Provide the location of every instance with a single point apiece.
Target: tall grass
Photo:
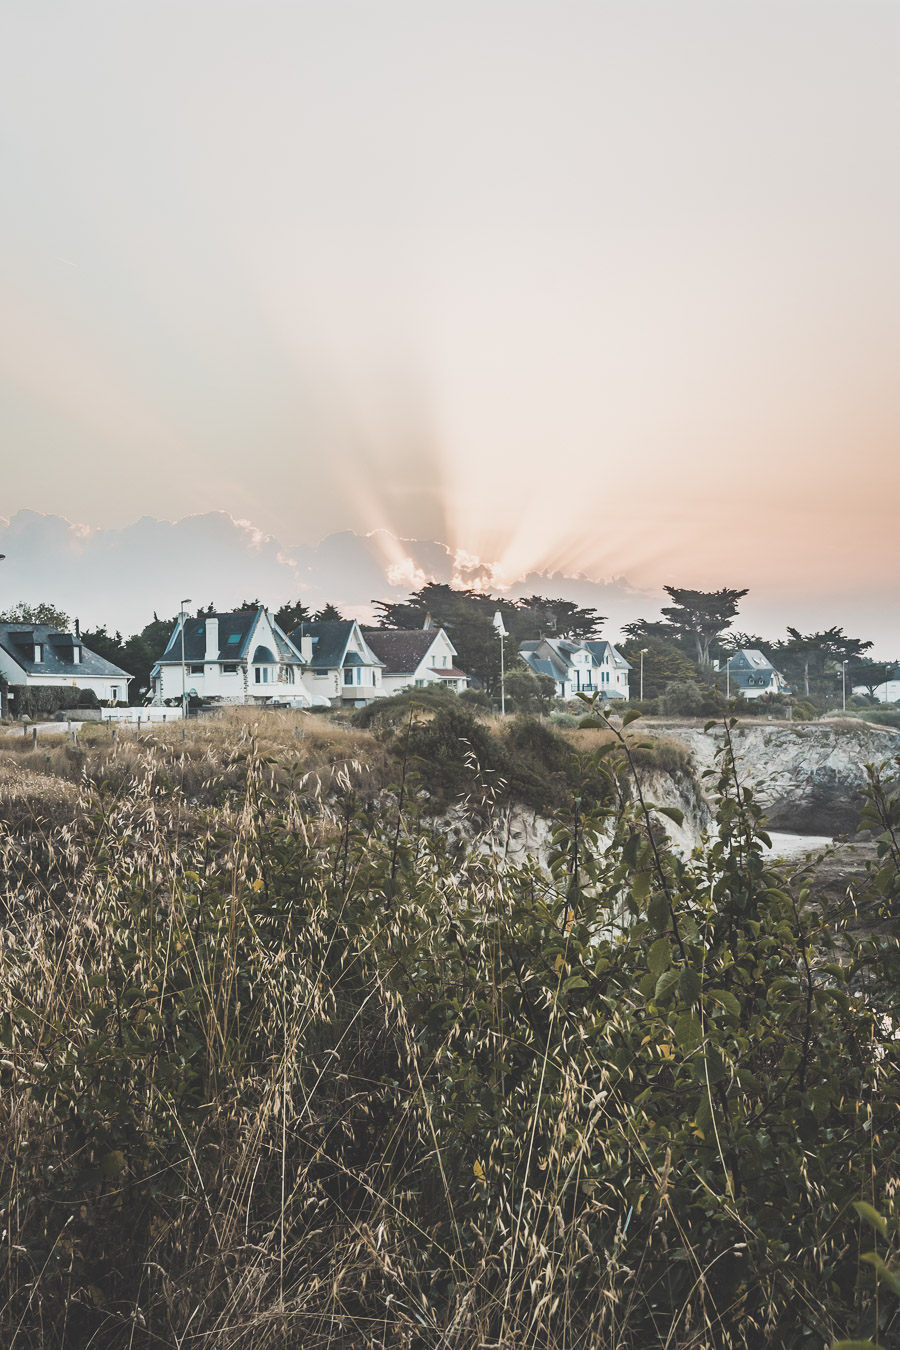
(281, 1068)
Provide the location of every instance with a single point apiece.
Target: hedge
(43, 700)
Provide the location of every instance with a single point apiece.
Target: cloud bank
(121, 577)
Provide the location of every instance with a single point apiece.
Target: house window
(230, 669)
(114, 694)
(233, 637)
(348, 675)
(261, 674)
(76, 656)
(38, 651)
(196, 670)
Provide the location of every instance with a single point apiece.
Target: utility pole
(644, 651)
(183, 673)
(501, 629)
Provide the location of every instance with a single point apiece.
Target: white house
(752, 675)
(589, 667)
(415, 658)
(243, 657)
(36, 654)
(341, 665)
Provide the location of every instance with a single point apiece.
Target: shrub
(683, 698)
(475, 698)
(395, 709)
(43, 700)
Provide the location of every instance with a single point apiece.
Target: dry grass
(278, 1070)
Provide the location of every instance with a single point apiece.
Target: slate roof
(555, 654)
(402, 650)
(545, 665)
(56, 648)
(750, 658)
(235, 633)
(330, 638)
(599, 648)
(237, 627)
(748, 668)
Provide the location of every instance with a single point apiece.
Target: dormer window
(38, 652)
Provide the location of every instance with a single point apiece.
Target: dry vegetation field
(281, 1067)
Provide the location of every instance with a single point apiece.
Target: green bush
(44, 700)
(395, 709)
(683, 698)
(475, 698)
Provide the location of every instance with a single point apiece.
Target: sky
(601, 292)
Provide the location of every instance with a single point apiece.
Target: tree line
(695, 632)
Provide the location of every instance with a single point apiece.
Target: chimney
(77, 629)
(306, 648)
(212, 640)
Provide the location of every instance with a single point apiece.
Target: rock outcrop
(808, 776)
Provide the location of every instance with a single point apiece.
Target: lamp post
(501, 630)
(844, 685)
(183, 679)
(644, 651)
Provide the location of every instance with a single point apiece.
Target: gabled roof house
(37, 654)
(752, 675)
(589, 667)
(341, 665)
(238, 657)
(415, 658)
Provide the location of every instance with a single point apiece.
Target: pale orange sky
(610, 288)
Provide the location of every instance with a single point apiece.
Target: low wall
(142, 715)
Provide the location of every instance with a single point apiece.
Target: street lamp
(644, 651)
(501, 630)
(183, 680)
(844, 685)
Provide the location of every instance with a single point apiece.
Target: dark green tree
(40, 613)
(870, 674)
(810, 657)
(327, 614)
(701, 616)
(108, 645)
(527, 692)
(665, 663)
(291, 615)
(561, 618)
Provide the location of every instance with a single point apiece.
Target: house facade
(415, 658)
(752, 675)
(240, 657)
(36, 654)
(341, 665)
(593, 667)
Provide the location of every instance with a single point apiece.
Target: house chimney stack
(306, 648)
(212, 640)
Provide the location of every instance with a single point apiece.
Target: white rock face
(807, 776)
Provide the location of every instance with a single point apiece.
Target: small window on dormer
(38, 651)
